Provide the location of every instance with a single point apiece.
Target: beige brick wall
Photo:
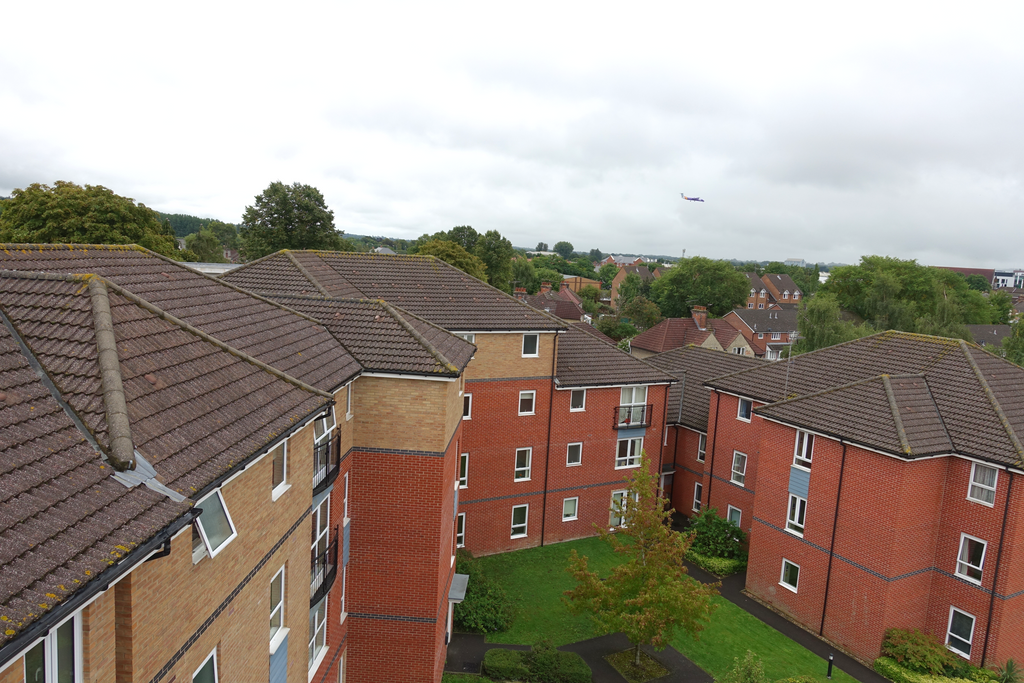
(14, 673)
(404, 414)
(98, 638)
(344, 428)
(501, 355)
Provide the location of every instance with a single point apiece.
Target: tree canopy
(563, 249)
(595, 255)
(642, 312)
(67, 213)
(454, 254)
(606, 273)
(496, 252)
(206, 246)
(630, 288)
(700, 281)
(820, 323)
(1013, 346)
(542, 246)
(289, 217)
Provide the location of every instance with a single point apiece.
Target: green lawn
(536, 578)
(464, 678)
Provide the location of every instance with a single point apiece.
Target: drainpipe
(832, 546)
(995, 577)
(547, 454)
(714, 435)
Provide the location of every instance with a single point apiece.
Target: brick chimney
(520, 293)
(545, 287)
(700, 316)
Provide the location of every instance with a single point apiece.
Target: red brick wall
(731, 435)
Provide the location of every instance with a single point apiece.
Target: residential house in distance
(782, 288)
(989, 335)
(768, 332)
(699, 330)
(621, 261)
(760, 297)
(562, 304)
(577, 283)
(642, 271)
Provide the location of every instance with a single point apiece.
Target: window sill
(787, 587)
(518, 479)
(467, 417)
(518, 536)
(792, 532)
(317, 662)
(627, 467)
(460, 545)
(526, 414)
(800, 466)
(278, 638)
(738, 483)
(569, 519)
(979, 502)
(463, 486)
(742, 419)
(968, 579)
(577, 410)
(279, 491)
(699, 459)
(531, 355)
(573, 464)
(453, 560)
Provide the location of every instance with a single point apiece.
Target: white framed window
(468, 336)
(213, 529)
(739, 351)
(276, 607)
(698, 495)
(632, 405)
(207, 671)
(574, 454)
(960, 632)
(983, 484)
(467, 406)
(785, 295)
(577, 400)
(527, 401)
(58, 656)
(531, 345)
(739, 468)
(803, 450)
(322, 427)
(760, 335)
(345, 499)
(460, 530)
(702, 447)
(317, 633)
(776, 336)
(790, 575)
(464, 471)
(763, 293)
(750, 305)
(743, 410)
(753, 291)
(620, 500)
(570, 508)
(520, 517)
(523, 458)
(971, 558)
(321, 519)
(760, 305)
(796, 295)
(797, 515)
(279, 467)
(735, 515)
(627, 453)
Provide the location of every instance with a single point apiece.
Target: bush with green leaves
(1009, 672)
(716, 536)
(918, 651)
(888, 667)
(506, 665)
(541, 664)
(487, 606)
(748, 670)
(719, 566)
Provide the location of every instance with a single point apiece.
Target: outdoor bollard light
(830, 656)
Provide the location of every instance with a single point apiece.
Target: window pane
(574, 453)
(279, 465)
(626, 396)
(529, 345)
(466, 403)
(569, 507)
(34, 658)
(576, 399)
(318, 429)
(519, 515)
(526, 403)
(206, 674)
(640, 395)
(214, 521)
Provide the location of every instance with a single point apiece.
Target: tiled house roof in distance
(979, 396)
(688, 401)
(767, 320)
(593, 332)
(423, 285)
(555, 304)
(386, 339)
(584, 360)
(293, 344)
(671, 333)
(781, 282)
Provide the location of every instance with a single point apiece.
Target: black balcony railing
(628, 417)
(325, 463)
(323, 569)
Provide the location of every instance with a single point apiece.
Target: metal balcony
(631, 417)
(326, 457)
(323, 569)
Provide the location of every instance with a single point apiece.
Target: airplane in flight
(691, 199)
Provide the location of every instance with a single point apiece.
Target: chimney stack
(520, 293)
(700, 316)
(545, 287)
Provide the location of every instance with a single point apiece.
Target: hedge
(506, 665)
(542, 664)
(720, 566)
(890, 668)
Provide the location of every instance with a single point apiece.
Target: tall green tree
(563, 249)
(978, 283)
(226, 233)
(66, 213)
(700, 281)
(1013, 346)
(205, 245)
(496, 252)
(642, 312)
(464, 236)
(820, 323)
(1001, 304)
(648, 597)
(524, 274)
(595, 255)
(542, 246)
(629, 289)
(454, 254)
(606, 273)
(289, 217)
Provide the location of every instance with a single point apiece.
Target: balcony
(633, 417)
(323, 569)
(326, 456)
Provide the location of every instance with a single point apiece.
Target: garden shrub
(716, 536)
(918, 651)
(487, 606)
(749, 670)
(507, 665)
(720, 566)
(541, 664)
(891, 669)
(798, 679)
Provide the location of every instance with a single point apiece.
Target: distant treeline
(184, 224)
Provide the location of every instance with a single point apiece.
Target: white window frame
(698, 496)
(460, 530)
(536, 353)
(632, 459)
(213, 552)
(345, 501)
(277, 637)
(796, 295)
(321, 513)
(583, 407)
(628, 408)
(739, 515)
(467, 406)
(212, 655)
(464, 470)
(963, 566)
(760, 335)
(277, 491)
(949, 627)
(796, 515)
(348, 402)
(623, 496)
(328, 424)
(533, 402)
(49, 643)
(785, 295)
(575, 509)
(739, 351)
(526, 523)
(702, 446)
(739, 410)
(738, 476)
(468, 336)
(568, 449)
(750, 304)
(782, 576)
(319, 655)
(803, 450)
(760, 306)
(983, 487)
(776, 336)
(522, 473)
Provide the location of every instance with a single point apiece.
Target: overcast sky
(810, 132)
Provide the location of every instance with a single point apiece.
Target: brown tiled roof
(584, 360)
(989, 334)
(645, 274)
(386, 339)
(979, 396)
(555, 304)
(594, 332)
(767, 320)
(756, 284)
(724, 332)
(783, 282)
(671, 333)
(293, 344)
(688, 400)
(423, 285)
